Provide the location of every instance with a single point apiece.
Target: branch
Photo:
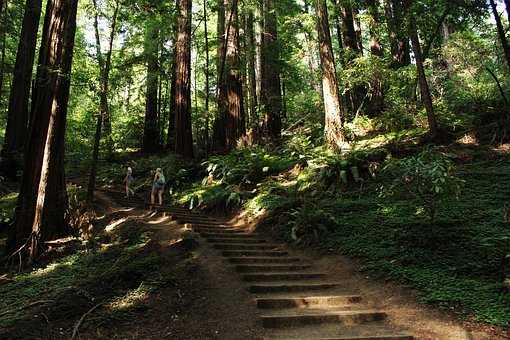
(78, 324)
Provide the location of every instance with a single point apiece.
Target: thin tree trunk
(18, 113)
(333, 128)
(271, 98)
(183, 131)
(507, 7)
(376, 105)
(422, 79)
(42, 203)
(501, 32)
(207, 89)
(104, 109)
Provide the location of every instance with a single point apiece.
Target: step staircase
(295, 301)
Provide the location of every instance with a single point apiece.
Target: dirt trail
(242, 286)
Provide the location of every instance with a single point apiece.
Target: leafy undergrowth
(307, 196)
(119, 272)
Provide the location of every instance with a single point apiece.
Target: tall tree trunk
(399, 41)
(3, 27)
(338, 26)
(258, 29)
(151, 143)
(170, 142)
(219, 137)
(333, 128)
(250, 61)
(234, 127)
(271, 98)
(422, 79)
(207, 87)
(357, 27)
(507, 7)
(17, 116)
(350, 40)
(183, 132)
(376, 87)
(104, 76)
(501, 32)
(42, 203)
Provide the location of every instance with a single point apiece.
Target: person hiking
(158, 186)
(128, 180)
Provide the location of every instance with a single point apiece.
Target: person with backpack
(158, 186)
(128, 180)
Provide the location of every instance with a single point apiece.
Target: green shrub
(427, 177)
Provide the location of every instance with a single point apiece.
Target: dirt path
(239, 285)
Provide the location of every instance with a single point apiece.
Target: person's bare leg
(127, 190)
(160, 193)
(153, 198)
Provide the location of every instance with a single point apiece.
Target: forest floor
(142, 281)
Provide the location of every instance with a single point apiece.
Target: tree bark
(501, 32)
(350, 40)
(376, 105)
(17, 116)
(207, 75)
(42, 203)
(170, 142)
(422, 79)
(3, 27)
(271, 98)
(334, 115)
(251, 62)
(399, 41)
(234, 127)
(151, 140)
(338, 26)
(182, 101)
(357, 27)
(219, 137)
(104, 109)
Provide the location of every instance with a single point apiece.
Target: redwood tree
(182, 100)
(334, 114)
(376, 105)
(42, 204)
(234, 106)
(17, 116)
(271, 98)
(151, 134)
(399, 40)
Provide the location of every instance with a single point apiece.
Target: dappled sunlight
(130, 300)
(112, 226)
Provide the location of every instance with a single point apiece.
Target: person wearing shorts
(158, 187)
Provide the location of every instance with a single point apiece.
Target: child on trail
(158, 186)
(128, 180)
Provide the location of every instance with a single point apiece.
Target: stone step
(258, 268)
(354, 337)
(238, 235)
(306, 302)
(219, 230)
(263, 260)
(269, 277)
(287, 287)
(265, 253)
(230, 239)
(242, 246)
(298, 319)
